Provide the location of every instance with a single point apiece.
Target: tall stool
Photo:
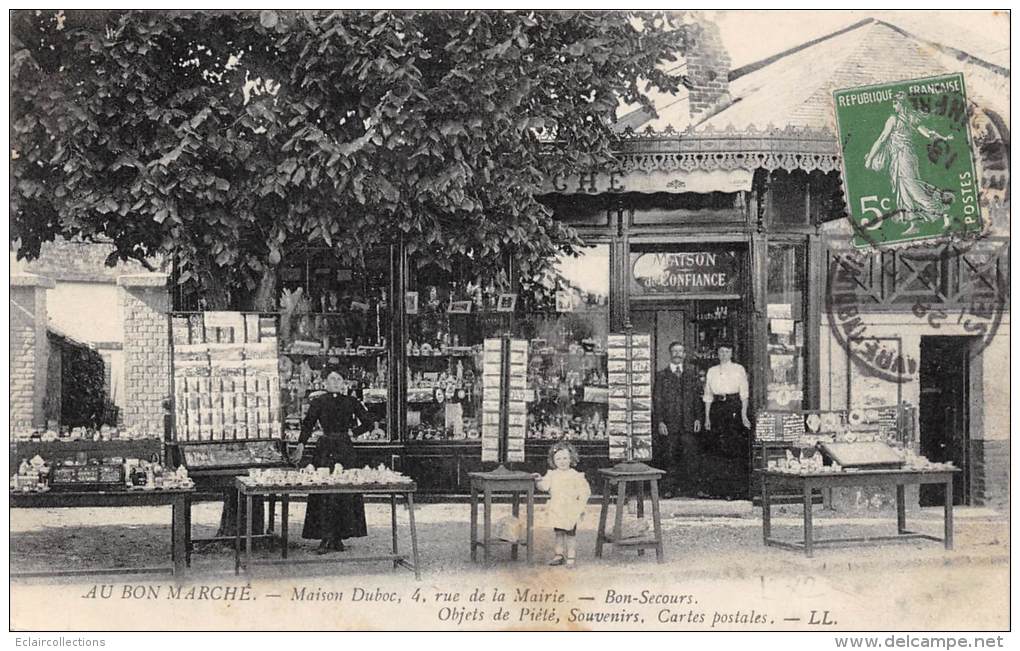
(485, 485)
(621, 476)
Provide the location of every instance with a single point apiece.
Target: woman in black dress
(331, 518)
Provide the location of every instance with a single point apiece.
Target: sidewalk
(702, 539)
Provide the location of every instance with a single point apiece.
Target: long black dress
(335, 517)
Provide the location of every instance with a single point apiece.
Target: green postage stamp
(908, 166)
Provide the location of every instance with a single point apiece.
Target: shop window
(789, 191)
(566, 322)
(449, 315)
(334, 316)
(785, 315)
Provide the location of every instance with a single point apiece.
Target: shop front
(700, 257)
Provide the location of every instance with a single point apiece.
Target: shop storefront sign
(679, 180)
(687, 272)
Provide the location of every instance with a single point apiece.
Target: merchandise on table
(32, 476)
(312, 476)
(97, 474)
(815, 463)
(68, 434)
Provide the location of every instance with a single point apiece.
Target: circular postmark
(854, 285)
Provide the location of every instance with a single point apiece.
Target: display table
(807, 483)
(248, 491)
(621, 476)
(485, 485)
(178, 499)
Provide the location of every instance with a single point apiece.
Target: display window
(567, 323)
(785, 316)
(448, 315)
(334, 316)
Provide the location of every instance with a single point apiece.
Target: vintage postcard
(688, 321)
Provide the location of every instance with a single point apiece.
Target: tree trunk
(265, 295)
(234, 509)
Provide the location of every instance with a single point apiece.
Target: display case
(448, 316)
(334, 317)
(226, 393)
(566, 321)
(785, 316)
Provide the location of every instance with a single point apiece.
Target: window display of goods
(312, 476)
(377, 433)
(237, 453)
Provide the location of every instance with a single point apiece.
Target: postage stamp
(908, 163)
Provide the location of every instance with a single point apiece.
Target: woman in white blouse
(726, 393)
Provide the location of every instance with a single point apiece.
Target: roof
(794, 88)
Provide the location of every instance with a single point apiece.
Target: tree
(228, 139)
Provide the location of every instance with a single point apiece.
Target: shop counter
(246, 490)
(178, 499)
(806, 483)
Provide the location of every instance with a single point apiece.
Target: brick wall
(29, 351)
(144, 302)
(708, 69)
(990, 473)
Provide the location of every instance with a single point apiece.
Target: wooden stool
(622, 475)
(500, 481)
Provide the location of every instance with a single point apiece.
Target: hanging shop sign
(686, 272)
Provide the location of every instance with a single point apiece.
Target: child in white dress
(568, 496)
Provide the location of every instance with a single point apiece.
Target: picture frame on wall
(459, 307)
(506, 303)
(411, 302)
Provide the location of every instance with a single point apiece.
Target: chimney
(708, 69)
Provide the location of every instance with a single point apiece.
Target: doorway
(944, 411)
(697, 469)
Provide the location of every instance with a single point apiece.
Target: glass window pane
(449, 316)
(786, 326)
(334, 316)
(567, 327)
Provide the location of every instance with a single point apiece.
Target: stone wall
(29, 351)
(144, 304)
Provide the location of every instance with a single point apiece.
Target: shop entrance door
(699, 469)
(667, 324)
(944, 415)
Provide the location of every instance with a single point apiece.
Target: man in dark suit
(673, 420)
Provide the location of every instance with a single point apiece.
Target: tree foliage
(231, 139)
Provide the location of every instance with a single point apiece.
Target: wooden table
(806, 484)
(247, 491)
(620, 476)
(486, 484)
(178, 499)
